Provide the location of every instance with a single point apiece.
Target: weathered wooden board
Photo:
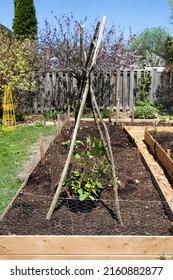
(92, 247)
(149, 140)
(165, 160)
(160, 154)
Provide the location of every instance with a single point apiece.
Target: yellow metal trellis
(8, 119)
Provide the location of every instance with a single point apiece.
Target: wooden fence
(57, 89)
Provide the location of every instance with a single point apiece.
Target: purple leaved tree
(69, 46)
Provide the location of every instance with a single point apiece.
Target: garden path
(34, 157)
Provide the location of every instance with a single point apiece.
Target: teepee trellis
(103, 136)
(8, 119)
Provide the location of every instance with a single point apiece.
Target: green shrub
(51, 115)
(145, 112)
(20, 117)
(106, 113)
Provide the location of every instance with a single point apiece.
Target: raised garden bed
(160, 144)
(147, 229)
(142, 210)
(165, 140)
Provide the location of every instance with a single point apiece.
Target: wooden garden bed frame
(85, 247)
(158, 151)
(14, 247)
(160, 181)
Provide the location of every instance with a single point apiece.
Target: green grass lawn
(14, 151)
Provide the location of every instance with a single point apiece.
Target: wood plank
(164, 159)
(149, 140)
(158, 151)
(85, 257)
(83, 245)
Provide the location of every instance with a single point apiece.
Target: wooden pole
(98, 43)
(133, 113)
(59, 125)
(117, 111)
(69, 114)
(41, 146)
(73, 139)
(117, 97)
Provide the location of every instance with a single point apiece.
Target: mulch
(143, 212)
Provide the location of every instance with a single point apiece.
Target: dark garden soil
(165, 139)
(141, 208)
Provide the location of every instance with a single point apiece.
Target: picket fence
(57, 89)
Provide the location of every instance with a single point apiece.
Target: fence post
(131, 97)
(117, 97)
(125, 93)
(153, 74)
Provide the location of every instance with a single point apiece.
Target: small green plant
(145, 112)
(163, 120)
(162, 257)
(40, 123)
(51, 115)
(106, 113)
(20, 117)
(155, 130)
(91, 165)
(143, 88)
(144, 108)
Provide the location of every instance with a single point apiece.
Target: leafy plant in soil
(144, 108)
(90, 166)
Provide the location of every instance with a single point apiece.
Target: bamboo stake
(73, 139)
(41, 146)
